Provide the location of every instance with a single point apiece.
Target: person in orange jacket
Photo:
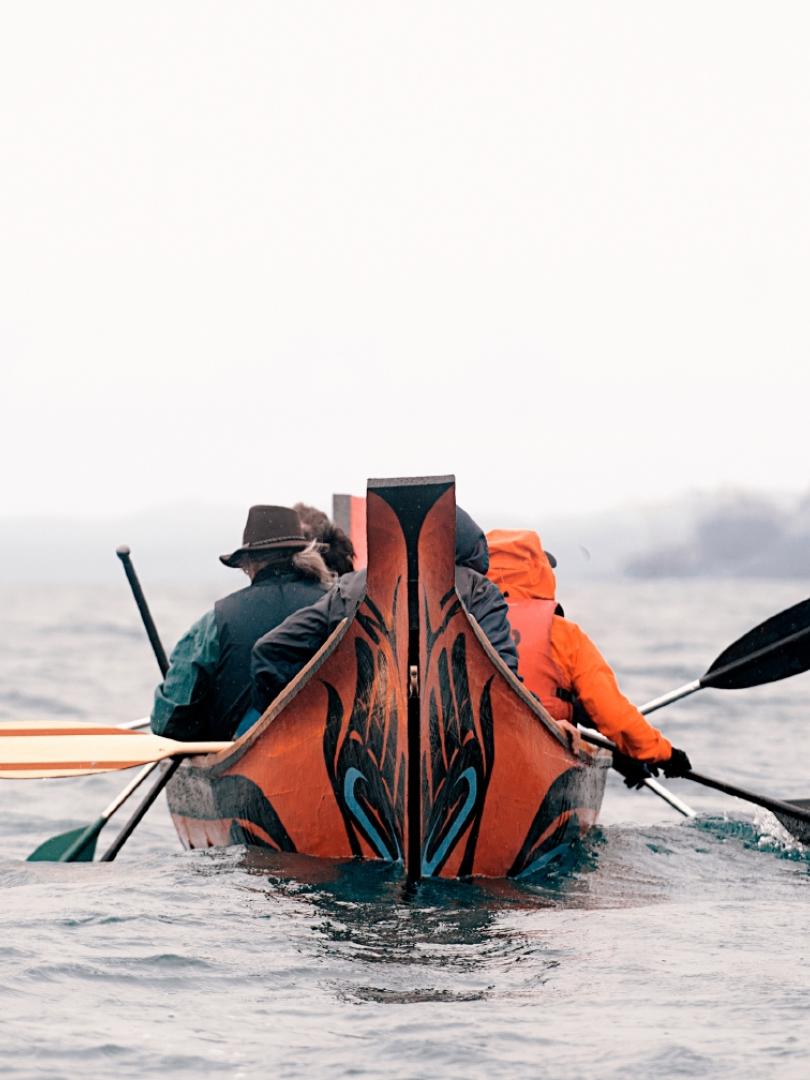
(560, 664)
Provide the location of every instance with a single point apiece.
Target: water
(663, 948)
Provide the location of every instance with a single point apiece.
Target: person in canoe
(335, 546)
(280, 654)
(206, 691)
(561, 665)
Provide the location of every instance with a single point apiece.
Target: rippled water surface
(662, 948)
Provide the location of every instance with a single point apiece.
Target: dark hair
(336, 547)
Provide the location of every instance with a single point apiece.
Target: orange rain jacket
(556, 654)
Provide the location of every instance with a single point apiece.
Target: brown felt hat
(266, 529)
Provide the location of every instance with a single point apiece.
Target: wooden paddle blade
(38, 749)
(776, 649)
(78, 845)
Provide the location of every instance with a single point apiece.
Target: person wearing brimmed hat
(206, 691)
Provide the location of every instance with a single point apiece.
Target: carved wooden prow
(403, 507)
(405, 738)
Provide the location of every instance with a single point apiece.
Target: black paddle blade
(776, 649)
(797, 826)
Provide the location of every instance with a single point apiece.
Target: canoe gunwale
(222, 760)
(584, 753)
(219, 762)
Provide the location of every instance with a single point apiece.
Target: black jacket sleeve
(485, 602)
(280, 654)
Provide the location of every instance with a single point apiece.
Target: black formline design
(364, 763)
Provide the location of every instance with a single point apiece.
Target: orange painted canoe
(405, 738)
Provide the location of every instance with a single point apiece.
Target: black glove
(678, 765)
(635, 772)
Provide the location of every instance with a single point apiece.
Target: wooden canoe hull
(406, 738)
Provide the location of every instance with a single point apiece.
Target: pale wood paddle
(43, 748)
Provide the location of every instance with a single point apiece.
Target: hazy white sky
(262, 251)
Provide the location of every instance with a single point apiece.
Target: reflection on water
(438, 941)
(379, 940)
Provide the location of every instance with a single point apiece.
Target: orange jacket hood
(518, 565)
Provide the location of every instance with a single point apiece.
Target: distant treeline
(743, 536)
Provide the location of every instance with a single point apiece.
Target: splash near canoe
(405, 738)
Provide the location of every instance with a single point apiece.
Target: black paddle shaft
(123, 554)
(776, 806)
(795, 817)
(140, 810)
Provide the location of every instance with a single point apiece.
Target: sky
(260, 252)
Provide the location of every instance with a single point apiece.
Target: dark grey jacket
(207, 690)
(279, 655)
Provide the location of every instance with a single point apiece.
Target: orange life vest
(555, 655)
(519, 567)
(531, 622)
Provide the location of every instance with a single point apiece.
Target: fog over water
(725, 533)
(264, 254)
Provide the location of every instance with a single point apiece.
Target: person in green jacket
(206, 691)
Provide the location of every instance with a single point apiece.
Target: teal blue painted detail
(545, 858)
(349, 781)
(429, 865)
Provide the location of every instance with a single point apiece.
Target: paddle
(663, 793)
(161, 782)
(79, 845)
(36, 749)
(773, 650)
(141, 809)
(61, 847)
(135, 725)
(582, 721)
(123, 553)
(795, 816)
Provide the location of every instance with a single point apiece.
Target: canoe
(406, 738)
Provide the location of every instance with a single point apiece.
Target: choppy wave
(658, 947)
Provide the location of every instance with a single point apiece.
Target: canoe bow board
(406, 738)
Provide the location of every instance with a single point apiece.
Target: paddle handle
(71, 853)
(718, 674)
(667, 796)
(123, 553)
(673, 695)
(141, 809)
(133, 785)
(591, 736)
